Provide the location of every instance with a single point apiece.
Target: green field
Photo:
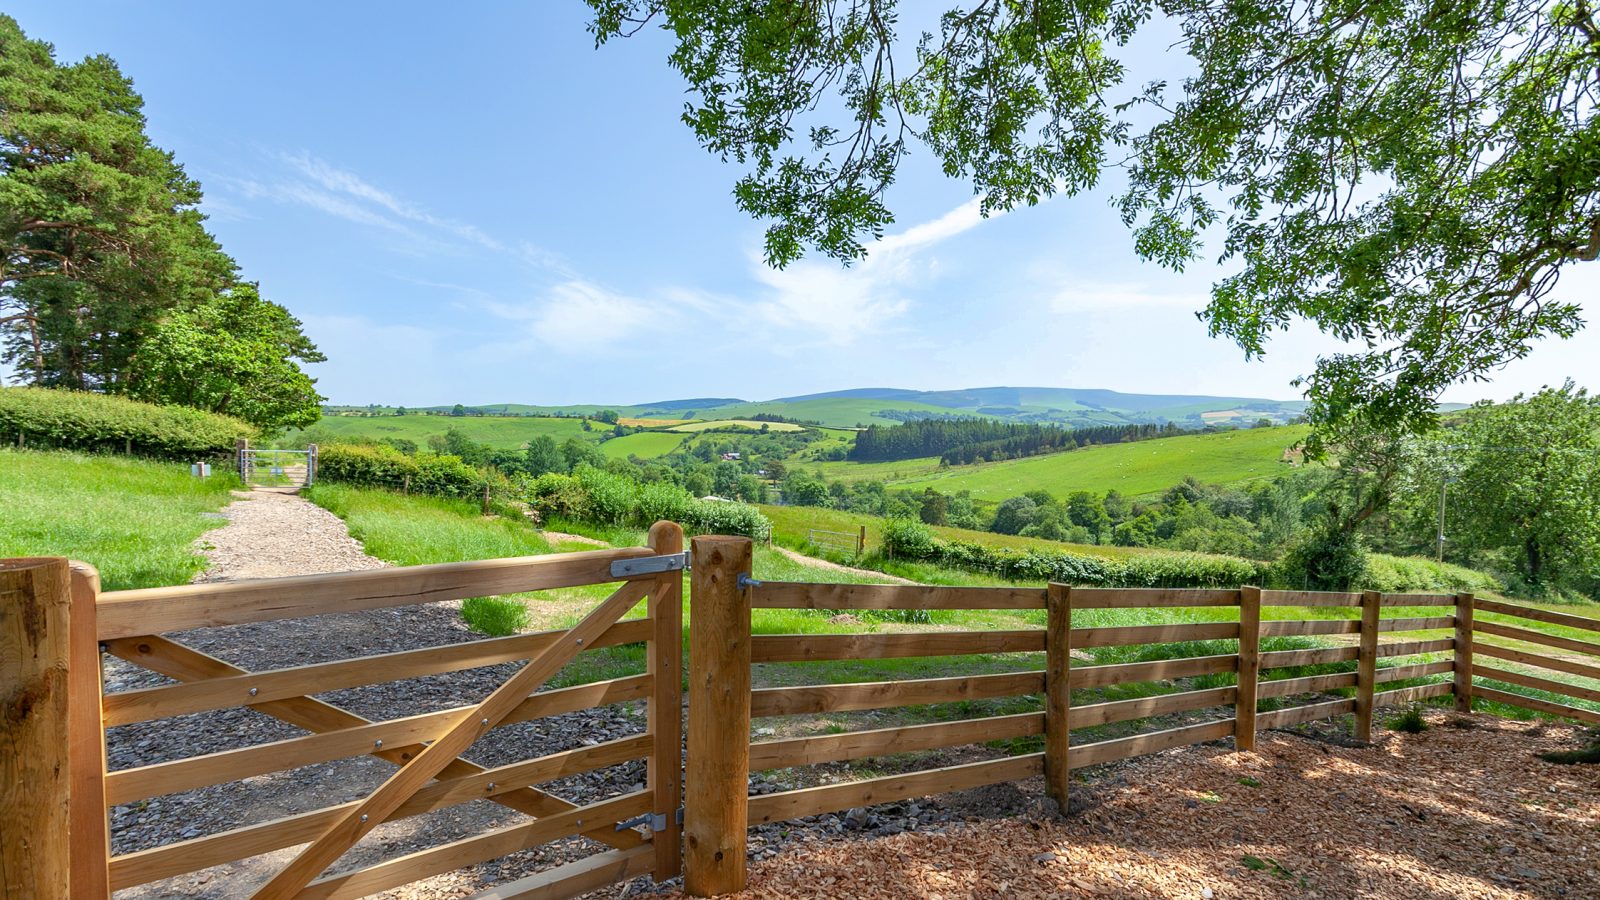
(134, 520)
(499, 432)
(839, 412)
(737, 423)
(1141, 467)
(644, 444)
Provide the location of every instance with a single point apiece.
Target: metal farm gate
(272, 467)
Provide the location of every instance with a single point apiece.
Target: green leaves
(1411, 177)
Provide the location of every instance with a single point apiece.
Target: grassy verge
(134, 520)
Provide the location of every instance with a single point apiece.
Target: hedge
(907, 539)
(379, 465)
(78, 420)
(593, 495)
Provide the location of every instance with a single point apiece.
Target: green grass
(1138, 468)
(644, 444)
(839, 412)
(134, 520)
(500, 432)
(747, 424)
(417, 530)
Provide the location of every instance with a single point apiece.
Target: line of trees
(109, 280)
(959, 441)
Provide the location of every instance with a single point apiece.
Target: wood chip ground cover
(1451, 812)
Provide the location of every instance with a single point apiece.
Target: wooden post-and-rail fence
(54, 622)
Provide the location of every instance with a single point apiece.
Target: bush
(494, 616)
(75, 420)
(606, 498)
(1398, 574)
(908, 539)
(380, 465)
(1324, 560)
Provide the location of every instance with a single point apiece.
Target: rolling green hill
(1141, 467)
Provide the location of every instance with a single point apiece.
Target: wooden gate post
(90, 840)
(1244, 702)
(1463, 652)
(1367, 663)
(1058, 693)
(861, 541)
(311, 464)
(665, 709)
(717, 774)
(35, 793)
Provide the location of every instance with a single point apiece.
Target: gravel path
(277, 534)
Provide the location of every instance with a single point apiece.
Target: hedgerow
(378, 465)
(907, 539)
(592, 495)
(77, 420)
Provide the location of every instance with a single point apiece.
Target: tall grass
(416, 530)
(134, 520)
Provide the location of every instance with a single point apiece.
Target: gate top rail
(121, 614)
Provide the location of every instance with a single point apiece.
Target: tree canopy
(103, 247)
(1413, 177)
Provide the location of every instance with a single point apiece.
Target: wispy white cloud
(576, 317)
(1093, 297)
(842, 306)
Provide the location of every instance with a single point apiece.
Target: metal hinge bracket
(650, 565)
(653, 821)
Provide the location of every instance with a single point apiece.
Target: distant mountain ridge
(859, 407)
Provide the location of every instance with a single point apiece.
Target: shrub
(908, 539)
(380, 465)
(606, 498)
(494, 616)
(1324, 560)
(76, 420)
(1398, 574)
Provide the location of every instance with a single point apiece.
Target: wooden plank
(1093, 714)
(1153, 634)
(1154, 742)
(1058, 693)
(1425, 623)
(402, 870)
(357, 823)
(717, 768)
(810, 801)
(1412, 648)
(574, 878)
(1306, 628)
(1299, 715)
(1535, 704)
(807, 751)
(1244, 714)
(1415, 670)
(156, 610)
(127, 785)
(1393, 600)
(1310, 598)
(1367, 663)
(1542, 684)
(816, 698)
(177, 661)
(1309, 684)
(35, 766)
(492, 784)
(1535, 659)
(1283, 659)
(664, 666)
(1537, 615)
(1537, 637)
(144, 704)
(1151, 598)
(770, 648)
(1156, 670)
(1412, 694)
(802, 595)
(88, 837)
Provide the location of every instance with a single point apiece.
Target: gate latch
(652, 821)
(650, 565)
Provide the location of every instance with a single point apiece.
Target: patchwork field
(737, 423)
(500, 432)
(645, 445)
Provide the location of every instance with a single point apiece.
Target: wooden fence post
(1244, 703)
(241, 449)
(1463, 652)
(717, 775)
(861, 541)
(1058, 693)
(665, 709)
(1367, 663)
(90, 840)
(311, 464)
(35, 770)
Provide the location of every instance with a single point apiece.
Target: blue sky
(472, 204)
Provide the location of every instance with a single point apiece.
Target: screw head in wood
(489, 786)
(363, 817)
(483, 721)
(254, 691)
(377, 744)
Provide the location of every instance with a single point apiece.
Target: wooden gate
(639, 828)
